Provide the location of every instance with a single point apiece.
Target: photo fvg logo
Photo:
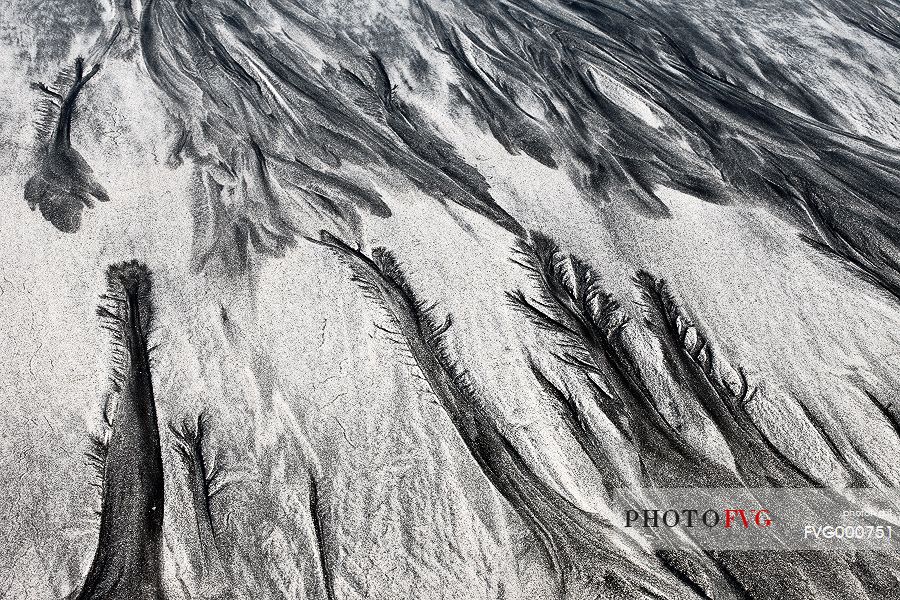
(725, 518)
(759, 518)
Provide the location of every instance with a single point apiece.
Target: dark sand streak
(128, 561)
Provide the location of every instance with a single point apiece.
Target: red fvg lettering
(760, 517)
